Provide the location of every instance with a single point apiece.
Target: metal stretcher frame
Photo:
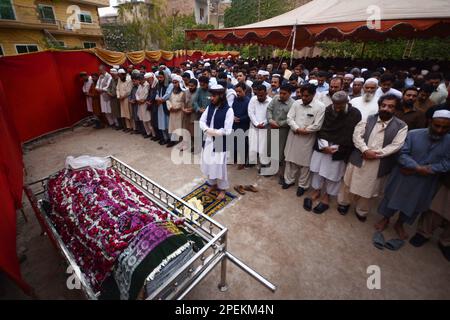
(186, 278)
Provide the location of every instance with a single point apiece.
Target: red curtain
(11, 177)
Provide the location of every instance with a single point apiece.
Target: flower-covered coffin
(98, 215)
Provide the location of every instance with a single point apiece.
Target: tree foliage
(243, 12)
(422, 49)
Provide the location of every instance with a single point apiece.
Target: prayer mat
(210, 204)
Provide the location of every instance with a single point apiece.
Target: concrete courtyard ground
(305, 255)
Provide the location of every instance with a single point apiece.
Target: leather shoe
(342, 209)
(300, 191)
(321, 208)
(286, 186)
(307, 204)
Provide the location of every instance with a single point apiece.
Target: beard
(384, 115)
(433, 135)
(408, 104)
(368, 97)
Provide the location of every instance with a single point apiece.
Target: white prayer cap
(207, 64)
(260, 72)
(188, 65)
(314, 82)
(217, 88)
(442, 114)
(246, 62)
(121, 71)
(372, 80)
(113, 71)
(149, 75)
(359, 80)
(349, 75)
(177, 78)
(116, 67)
(363, 70)
(276, 75)
(424, 72)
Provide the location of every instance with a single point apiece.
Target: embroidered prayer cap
(359, 80)
(441, 114)
(135, 72)
(113, 71)
(372, 80)
(276, 75)
(121, 71)
(340, 96)
(349, 75)
(217, 88)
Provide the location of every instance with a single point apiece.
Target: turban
(372, 80)
(442, 114)
(340, 96)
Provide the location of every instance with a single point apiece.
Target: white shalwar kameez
(327, 173)
(86, 87)
(214, 164)
(257, 138)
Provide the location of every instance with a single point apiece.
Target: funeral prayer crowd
(370, 136)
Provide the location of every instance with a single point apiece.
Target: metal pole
(293, 43)
(223, 268)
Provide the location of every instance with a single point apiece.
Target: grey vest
(387, 163)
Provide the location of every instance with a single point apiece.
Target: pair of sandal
(241, 189)
(380, 243)
(221, 193)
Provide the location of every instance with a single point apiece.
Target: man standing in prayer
(367, 104)
(440, 93)
(102, 87)
(305, 118)
(414, 181)
(423, 102)
(357, 86)
(415, 119)
(112, 92)
(277, 112)
(325, 97)
(331, 151)
(143, 111)
(386, 83)
(242, 122)
(437, 216)
(377, 142)
(133, 104)
(216, 123)
(163, 94)
(189, 116)
(347, 82)
(175, 105)
(123, 90)
(322, 82)
(275, 85)
(257, 137)
(87, 83)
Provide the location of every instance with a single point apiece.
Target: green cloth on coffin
(156, 244)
